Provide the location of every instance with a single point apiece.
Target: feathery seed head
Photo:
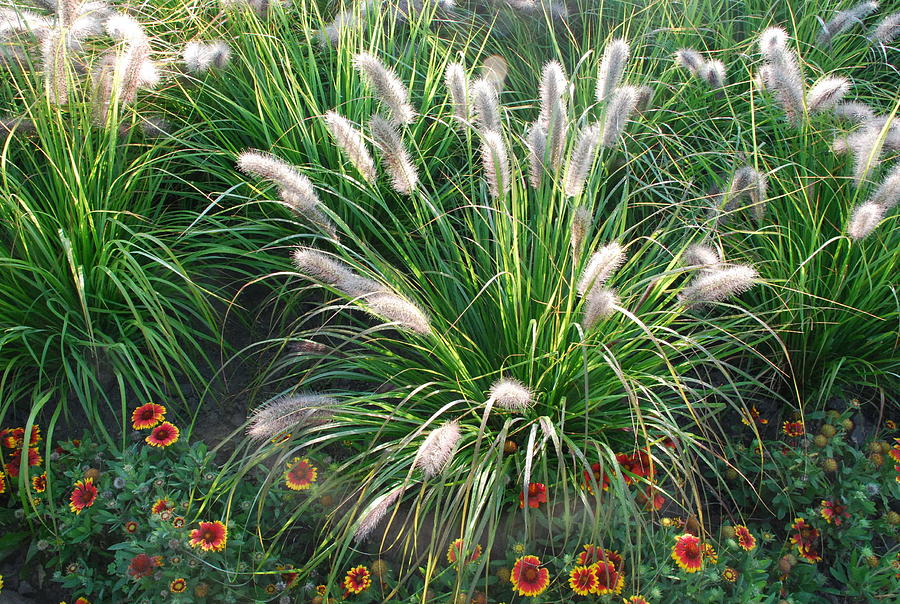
(350, 141)
(853, 112)
(718, 285)
(773, 41)
(394, 156)
(888, 29)
(126, 28)
(457, 84)
(387, 86)
(582, 158)
(376, 513)
(714, 73)
(700, 256)
(865, 220)
(288, 413)
(612, 68)
(288, 179)
(620, 108)
(581, 224)
(600, 304)
(436, 452)
(321, 267)
(537, 148)
(553, 87)
(496, 163)
(691, 60)
(827, 93)
(601, 266)
(486, 104)
(511, 394)
(199, 57)
(887, 195)
(844, 20)
(397, 309)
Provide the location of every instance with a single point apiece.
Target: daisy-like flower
(178, 522)
(583, 580)
(651, 498)
(147, 416)
(687, 553)
(805, 538)
(34, 459)
(131, 526)
(300, 474)
(709, 553)
(143, 565)
(178, 586)
(592, 555)
(599, 477)
(357, 580)
(890, 425)
(729, 574)
(895, 451)
(834, 513)
(636, 599)
(2, 482)
(163, 435)
(528, 578)
(537, 494)
(210, 537)
(82, 600)
(753, 417)
(159, 505)
(39, 483)
(637, 464)
(793, 429)
(609, 580)
(83, 496)
(270, 588)
(745, 539)
(455, 551)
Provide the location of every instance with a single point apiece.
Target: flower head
(143, 565)
(753, 416)
(709, 553)
(300, 474)
(39, 482)
(83, 496)
(437, 450)
(147, 416)
(537, 494)
(160, 505)
(456, 550)
(834, 513)
(357, 580)
(745, 539)
(511, 394)
(636, 599)
(794, 429)
(583, 580)
(387, 87)
(163, 435)
(528, 578)
(729, 574)
(596, 476)
(635, 465)
(130, 527)
(805, 538)
(210, 536)
(178, 586)
(687, 553)
(609, 579)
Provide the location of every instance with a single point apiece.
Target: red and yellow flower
(163, 435)
(805, 538)
(793, 429)
(583, 580)
(528, 578)
(651, 498)
(537, 494)
(455, 551)
(178, 586)
(143, 565)
(357, 580)
(688, 553)
(636, 599)
(300, 474)
(2, 482)
(39, 482)
(147, 416)
(160, 505)
(635, 465)
(131, 526)
(834, 513)
(746, 540)
(592, 555)
(83, 496)
(596, 475)
(178, 522)
(753, 417)
(729, 574)
(895, 451)
(15, 460)
(710, 555)
(210, 536)
(609, 580)
(82, 600)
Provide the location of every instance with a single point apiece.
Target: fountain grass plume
(436, 452)
(783, 76)
(827, 93)
(536, 140)
(318, 266)
(399, 310)
(714, 73)
(718, 285)
(387, 86)
(582, 159)
(486, 104)
(375, 514)
(581, 225)
(691, 60)
(887, 195)
(618, 111)
(887, 30)
(750, 184)
(865, 219)
(351, 142)
(612, 68)
(600, 304)
(866, 144)
(700, 256)
(289, 413)
(553, 110)
(458, 86)
(56, 71)
(844, 20)
(601, 266)
(495, 160)
(394, 156)
(853, 112)
(511, 394)
(200, 57)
